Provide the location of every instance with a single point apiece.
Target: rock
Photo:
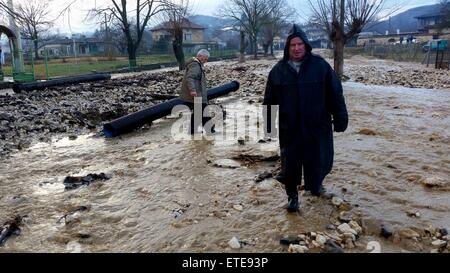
(289, 241)
(345, 217)
(314, 244)
(332, 247)
(386, 231)
(433, 182)
(408, 233)
(238, 207)
(337, 201)
(345, 207)
(234, 243)
(345, 228)
(349, 243)
(321, 240)
(7, 117)
(73, 247)
(331, 227)
(439, 243)
(350, 236)
(413, 213)
(297, 249)
(443, 232)
(354, 225)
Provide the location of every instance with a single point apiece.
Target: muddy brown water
(166, 195)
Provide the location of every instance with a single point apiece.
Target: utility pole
(17, 44)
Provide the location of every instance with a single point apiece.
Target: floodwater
(169, 195)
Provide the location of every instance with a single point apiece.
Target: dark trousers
(294, 166)
(205, 120)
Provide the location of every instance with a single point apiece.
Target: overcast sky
(75, 20)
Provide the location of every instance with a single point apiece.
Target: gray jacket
(194, 79)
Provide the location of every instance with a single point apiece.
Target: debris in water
(238, 207)
(226, 163)
(73, 183)
(413, 213)
(10, 228)
(263, 176)
(234, 243)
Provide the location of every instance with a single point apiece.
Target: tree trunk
(266, 49)
(132, 50)
(339, 56)
(179, 54)
(271, 48)
(255, 47)
(177, 45)
(242, 48)
(36, 48)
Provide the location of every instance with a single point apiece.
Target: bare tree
(113, 38)
(5, 8)
(276, 21)
(342, 20)
(175, 17)
(33, 19)
(251, 15)
(133, 17)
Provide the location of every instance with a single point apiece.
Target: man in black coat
(311, 102)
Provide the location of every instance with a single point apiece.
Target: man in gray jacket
(193, 88)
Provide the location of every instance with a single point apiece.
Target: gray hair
(203, 52)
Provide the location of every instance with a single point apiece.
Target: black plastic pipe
(129, 123)
(18, 87)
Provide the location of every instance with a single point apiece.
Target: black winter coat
(310, 103)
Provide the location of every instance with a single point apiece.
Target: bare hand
(193, 93)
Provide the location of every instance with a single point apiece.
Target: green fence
(23, 66)
(49, 67)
